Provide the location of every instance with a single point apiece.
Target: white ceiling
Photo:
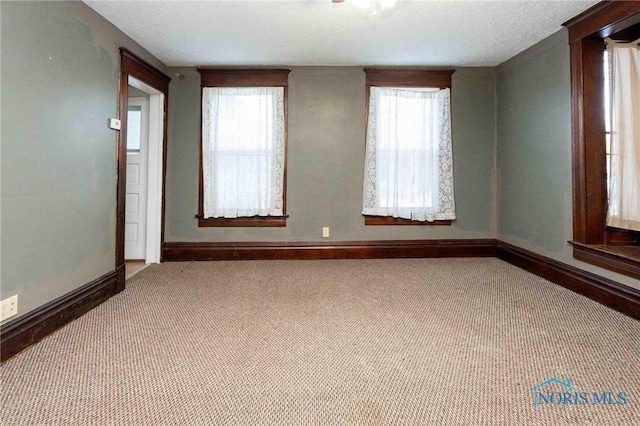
(319, 32)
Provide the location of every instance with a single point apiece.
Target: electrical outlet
(325, 232)
(8, 307)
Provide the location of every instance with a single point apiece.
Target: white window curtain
(242, 151)
(624, 178)
(408, 160)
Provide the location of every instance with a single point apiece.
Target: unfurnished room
(320, 212)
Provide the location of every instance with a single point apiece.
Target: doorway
(141, 165)
(143, 178)
(135, 231)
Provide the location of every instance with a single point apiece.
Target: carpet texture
(336, 342)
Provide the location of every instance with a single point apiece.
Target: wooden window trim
(593, 241)
(393, 77)
(389, 220)
(241, 222)
(244, 77)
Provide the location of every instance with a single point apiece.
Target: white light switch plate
(115, 124)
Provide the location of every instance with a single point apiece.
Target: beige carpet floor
(340, 342)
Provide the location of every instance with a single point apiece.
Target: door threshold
(132, 267)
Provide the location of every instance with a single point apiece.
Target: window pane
(607, 113)
(134, 128)
(607, 93)
(608, 146)
(408, 161)
(404, 141)
(243, 120)
(243, 151)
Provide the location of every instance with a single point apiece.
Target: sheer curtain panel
(624, 179)
(408, 160)
(243, 143)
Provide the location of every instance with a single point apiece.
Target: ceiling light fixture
(373, 5)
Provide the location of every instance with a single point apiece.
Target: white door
(137, 163)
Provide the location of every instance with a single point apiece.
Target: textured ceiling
(319, 32)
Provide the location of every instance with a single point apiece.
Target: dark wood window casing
(390, 77)
(593, 242)
(245, 77)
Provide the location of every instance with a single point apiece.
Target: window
(622, 98)
(134, 128)
(408, 161)
(593, 241)
(243, 149)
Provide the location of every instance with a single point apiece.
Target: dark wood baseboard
(26, 330)
(177, 251)
(605, 291)
(121, 277)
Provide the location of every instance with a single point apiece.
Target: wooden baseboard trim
(177, 251)
(24, 331)
(121, 278)
(605, 291)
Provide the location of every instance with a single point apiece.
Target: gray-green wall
(534, 153)
(326, 160)
(60, 72)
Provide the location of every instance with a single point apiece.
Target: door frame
(155, 177)
(132, 65)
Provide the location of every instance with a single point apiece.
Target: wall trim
(26, 330)
(189, 251)
(607, 292)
